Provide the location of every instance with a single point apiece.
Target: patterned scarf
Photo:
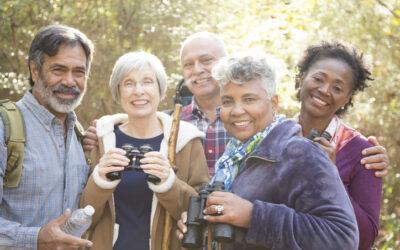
(228, 165)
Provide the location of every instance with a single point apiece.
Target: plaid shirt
(216, 135)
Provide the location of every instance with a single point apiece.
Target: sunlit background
(282, 29)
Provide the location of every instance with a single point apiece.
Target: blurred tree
(282, 29)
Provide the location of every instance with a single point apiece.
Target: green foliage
(282, 29)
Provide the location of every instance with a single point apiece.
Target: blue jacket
(299, 199)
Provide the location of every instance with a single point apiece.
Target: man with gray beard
(54, 168)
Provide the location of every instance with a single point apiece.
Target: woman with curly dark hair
(330, 74)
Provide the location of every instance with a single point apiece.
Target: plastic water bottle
(79, 222)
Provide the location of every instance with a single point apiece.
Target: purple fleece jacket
(299, 199)
(363, 187)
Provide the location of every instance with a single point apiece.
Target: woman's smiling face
(326, 87)
(246, 109)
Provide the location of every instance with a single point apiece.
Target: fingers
(184, 217)
(154, 159)
(51, 235)
(155, 154)
(374, 150)
(214, 210)
(377, 158)
(373, 140)
(217, 198)
(90, 140)
(75, 241)
(182, 226)
(155, 163)
(113, 161)
(381, 174)
(92, 130)
(380, 165)
(160, 173)
(94, 123)
(63, 218)
(87, 147)
(115, 154)
(230, 208)
(323, 141)
(91, 134)
(104, 171)
(224, 218)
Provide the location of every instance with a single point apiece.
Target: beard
(48, 95)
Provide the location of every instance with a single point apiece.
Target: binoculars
(197, 225)
(134, 155)
(314, 133)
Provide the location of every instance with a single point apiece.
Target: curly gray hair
(241, 68)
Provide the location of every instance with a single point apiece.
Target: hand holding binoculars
(314, 134)
(134, 155)
(197, 225)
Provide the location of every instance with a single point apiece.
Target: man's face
(61, 83)
(198, 58)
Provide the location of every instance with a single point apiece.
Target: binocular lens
(192, 238)
(223, 232)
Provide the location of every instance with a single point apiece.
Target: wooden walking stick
(173, 137)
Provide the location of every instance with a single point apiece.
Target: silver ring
(219, 209)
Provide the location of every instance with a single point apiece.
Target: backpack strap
(80, 134)
(79, 130)
(15, 138)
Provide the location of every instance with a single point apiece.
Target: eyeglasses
(129, 85)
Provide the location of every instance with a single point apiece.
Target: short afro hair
(339, 51)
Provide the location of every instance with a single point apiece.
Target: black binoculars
(197, 225)
(134, 155)
(314, 133)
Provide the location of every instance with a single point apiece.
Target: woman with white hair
(138, 82)
(285, 193)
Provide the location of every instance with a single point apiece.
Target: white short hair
(137, 60)
(207, 35)
(244, 67)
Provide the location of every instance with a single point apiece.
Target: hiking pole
(173, 137)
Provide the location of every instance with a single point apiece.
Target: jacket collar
(272, 146)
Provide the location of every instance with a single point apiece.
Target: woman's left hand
(328, 147)
(156, 164)
(236, 211)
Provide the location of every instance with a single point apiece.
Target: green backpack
(15, 138)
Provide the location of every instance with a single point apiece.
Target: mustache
(61, 88)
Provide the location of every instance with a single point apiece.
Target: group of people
(285, 191)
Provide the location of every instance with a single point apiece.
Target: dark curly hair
(335, 50)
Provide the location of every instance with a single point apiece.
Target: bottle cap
(88, 210)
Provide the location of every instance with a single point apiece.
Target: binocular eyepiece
(134, 155)
(314, 134)
(196, 224)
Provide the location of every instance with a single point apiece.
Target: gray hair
(241, 68)
(50, 38)
(137, 60)
(207, 35)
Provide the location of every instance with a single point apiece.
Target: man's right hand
(90, 139)
(52, 237)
